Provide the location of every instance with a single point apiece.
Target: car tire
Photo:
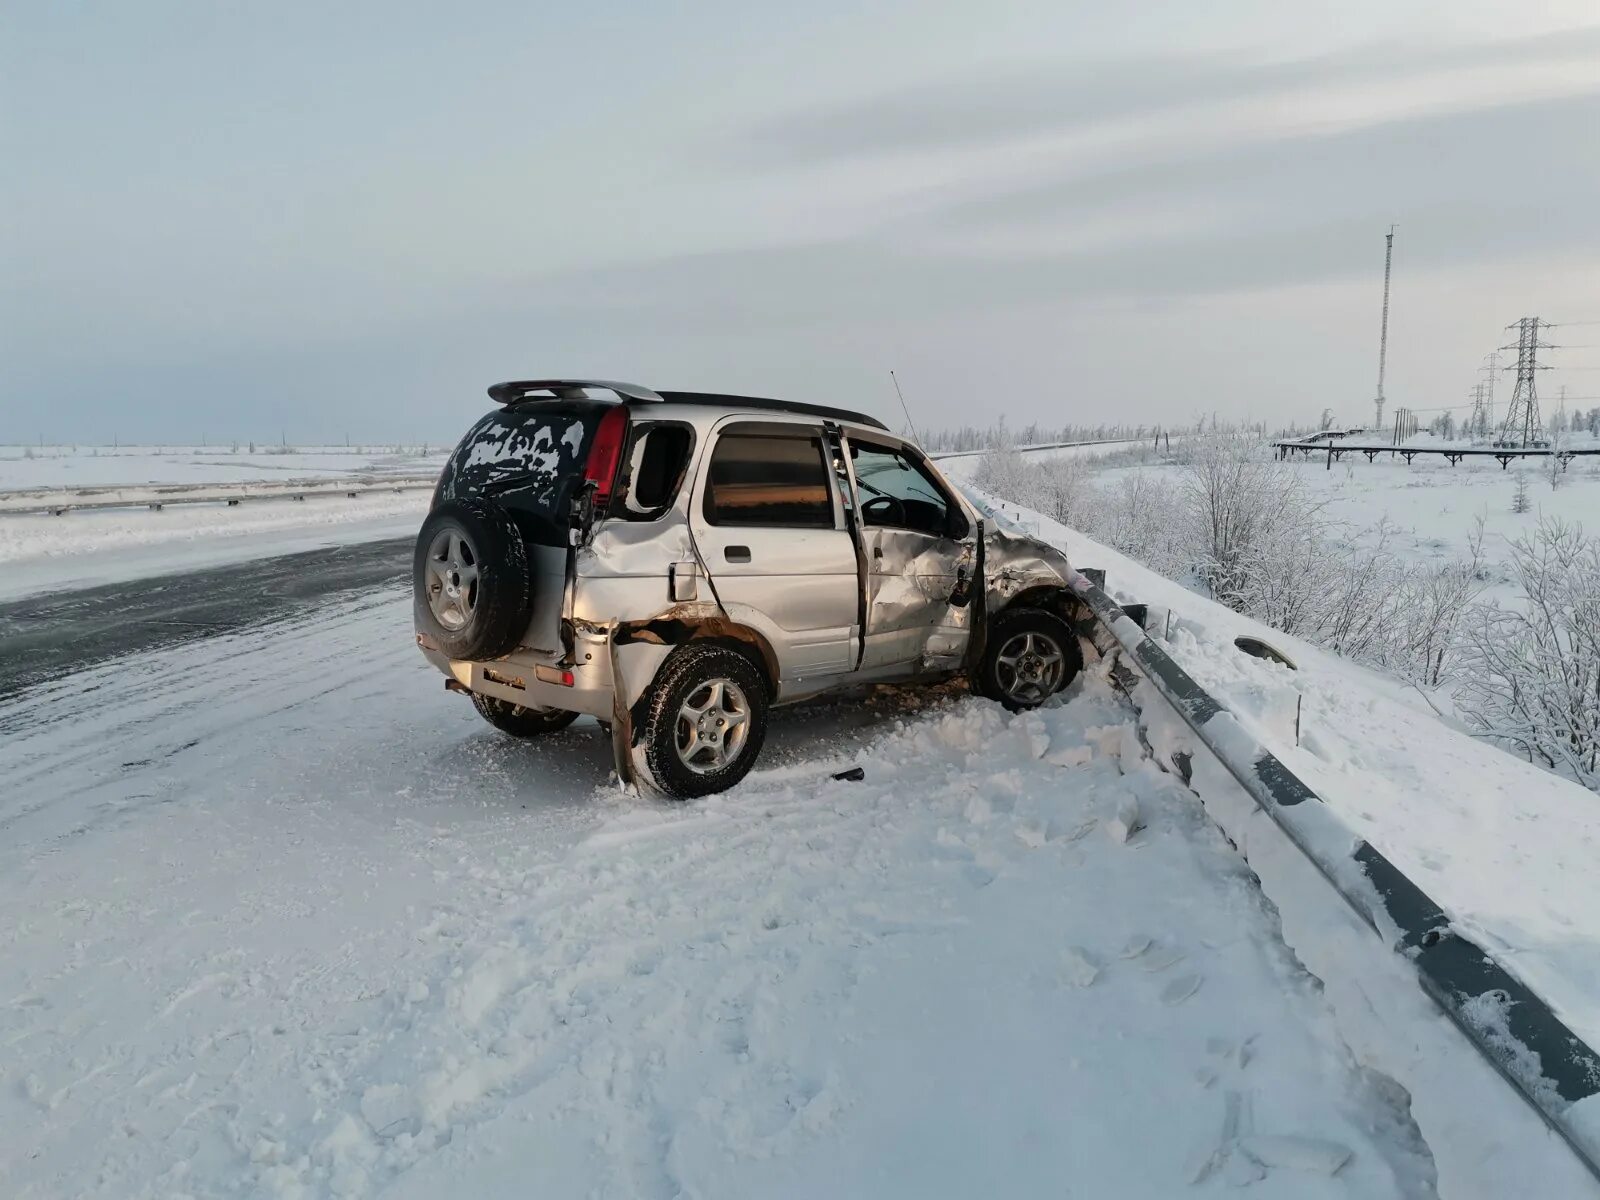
(1030, 655)
(705, 721)
(469, 579)
(522, 721)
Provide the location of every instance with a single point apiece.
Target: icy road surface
(284, 918)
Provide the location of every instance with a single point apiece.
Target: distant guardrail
(60, 501)
(938, 455)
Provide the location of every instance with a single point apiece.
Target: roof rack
(566, 389)
(516, 391)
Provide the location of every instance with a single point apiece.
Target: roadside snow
(285, 919)
(80, 549)
(1507, 849)
(106, 466)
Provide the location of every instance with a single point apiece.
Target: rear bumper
(517, 677)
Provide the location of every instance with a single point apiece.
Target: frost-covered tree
(1240, 502)
(1532, 677)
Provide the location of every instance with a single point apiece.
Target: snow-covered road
(284, 918)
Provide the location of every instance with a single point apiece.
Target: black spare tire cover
(469, 580)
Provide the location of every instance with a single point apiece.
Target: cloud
(1011, 101)
(1494, 159)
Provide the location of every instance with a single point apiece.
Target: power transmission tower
(1478, 424)
(1522, 425)
(1491, 366)
(1383, 336)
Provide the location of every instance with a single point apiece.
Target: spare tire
(470, 581)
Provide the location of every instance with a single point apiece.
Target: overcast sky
(333, 219)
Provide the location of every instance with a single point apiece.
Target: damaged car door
(920, 553)
(770, 530)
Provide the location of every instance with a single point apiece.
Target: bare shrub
(1241, 507)
(1532, 675)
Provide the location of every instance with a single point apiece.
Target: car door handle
(736, 553)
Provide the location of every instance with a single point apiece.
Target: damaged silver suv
(677, 563)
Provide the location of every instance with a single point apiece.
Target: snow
(106, 466)
(1433, 506)
(1507, 848)
(1430, 507)
(40, 553)
(286, 919)
(81, 548)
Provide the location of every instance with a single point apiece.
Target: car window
(657, 460)
(769, 479)
(897, 492)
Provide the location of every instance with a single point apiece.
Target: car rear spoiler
(566, 389)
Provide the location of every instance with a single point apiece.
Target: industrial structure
(1523, 428)
(1383, 336)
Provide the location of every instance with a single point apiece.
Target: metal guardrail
(941, 455)
(47, 501)
(1452, 970)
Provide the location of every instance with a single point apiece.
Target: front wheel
(1030, 655)
(519, 720)
(705, 722)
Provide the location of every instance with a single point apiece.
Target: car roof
(767, 404)
(519, 391)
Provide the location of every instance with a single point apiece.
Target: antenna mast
(1383, 337)
(903, 407)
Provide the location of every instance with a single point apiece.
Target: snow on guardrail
(59, 501)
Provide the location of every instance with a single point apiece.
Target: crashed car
(676, 564)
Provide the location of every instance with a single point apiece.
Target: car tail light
(605, 454)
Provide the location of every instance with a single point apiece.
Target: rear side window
(657, 460)
(770, 480)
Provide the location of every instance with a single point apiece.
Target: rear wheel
(521, 720)
(705, 722)
(1030, 655)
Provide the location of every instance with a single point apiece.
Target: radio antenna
(903, 407)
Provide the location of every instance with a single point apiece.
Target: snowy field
(1433, 507)
(106, 466)
(960, 466)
